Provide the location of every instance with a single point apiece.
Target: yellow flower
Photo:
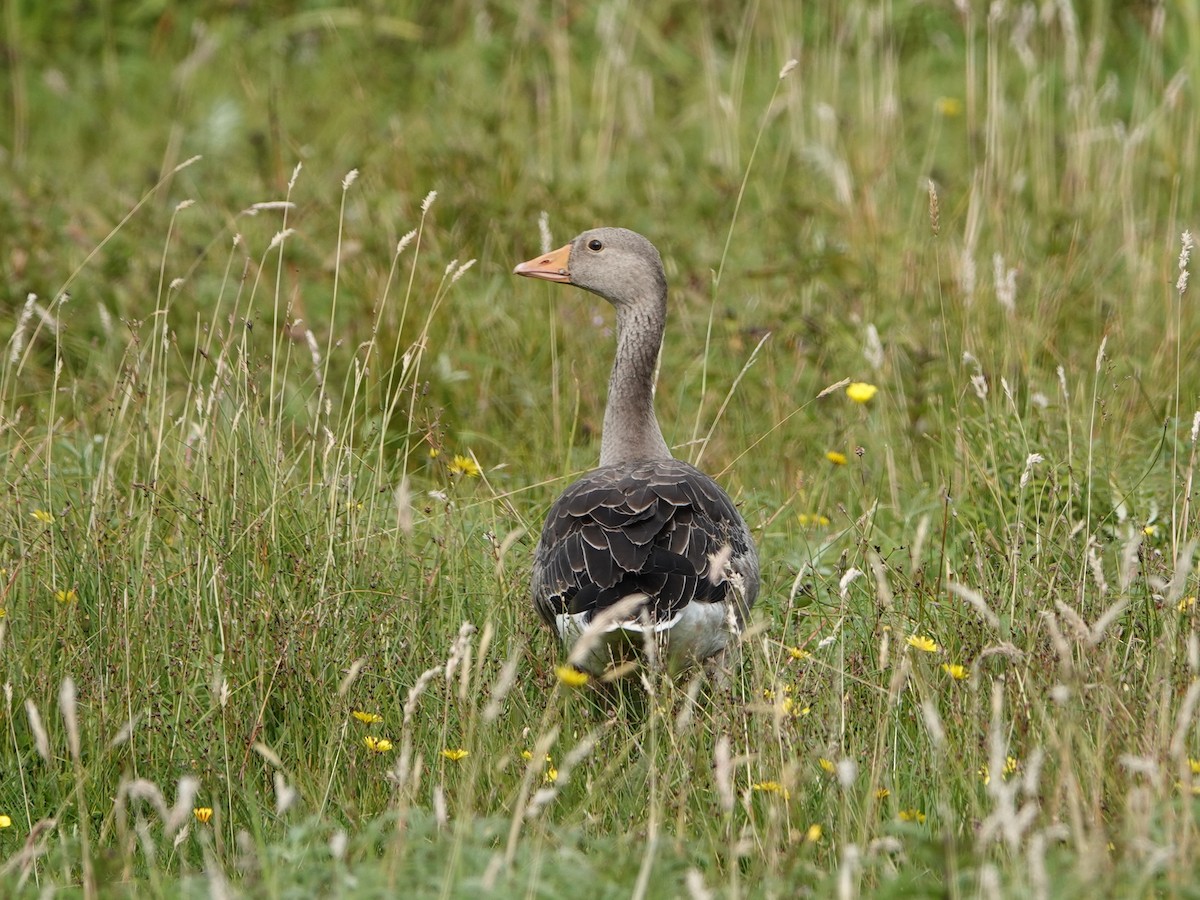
(827, 765)
(912, 815)
(1010, 766)
(924, 644)
(377, 744)
(813, 834)
(367, 718)
(806, 519)
(1186, 603)
(1194, 765)
(434, 452)
(203, 814)
(3, 612)
(797, 653)
(65, 596)
(955, 671)
(551, 774)
(860, 391)
(950, 107)
(456, 754)
(882, 794)
(771, 787)
(463, 465)
(838, 459)
(1150, 529)
(42, 516)
(571, 676)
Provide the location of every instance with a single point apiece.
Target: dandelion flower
(860, 391)
(203, 814)
(464, 465)
(771, 787)
(377, 744)
(955, 671)
(882, 794)
(42, 516)
(950, 107)
(813, 833)
(367, 718)
(922, 643)
(912, 815)
(838, 459)
(570, 676)
(806, 519)
(65, 596)
(827, 765)
(454, 755)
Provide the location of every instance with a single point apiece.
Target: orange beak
(550, 267)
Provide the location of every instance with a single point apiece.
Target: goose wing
(649, 528)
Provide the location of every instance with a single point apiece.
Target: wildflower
(813, 833)
(571, 676)
(806, 519)
(912, 815)
(838, 459)
(1010, 766)
(454, 755)
(950, 107)
(1186, 603)
(882, 794)
(827, 765)
(367, 718)
(203, 814)
(768, 694)
(922, 643)
(1150, 529)
(377, 744)
(1194, 765)
(771, 787)
(464, 465)
(3, 612)
(797, 653)
(434, 452)
(551, 774)
(860, 391)
(955, 671)
(42, 516)
(65, 596)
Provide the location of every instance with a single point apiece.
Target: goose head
(618, 264)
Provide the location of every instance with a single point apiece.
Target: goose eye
(595, 245)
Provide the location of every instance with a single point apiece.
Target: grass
(269, 464)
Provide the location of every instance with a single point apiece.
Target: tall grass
(278, 430)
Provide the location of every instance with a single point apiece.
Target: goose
(645, 552)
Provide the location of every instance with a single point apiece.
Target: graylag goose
(646, 550)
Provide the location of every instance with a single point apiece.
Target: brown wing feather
(650, 527)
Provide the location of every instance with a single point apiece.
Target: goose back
(658, 528)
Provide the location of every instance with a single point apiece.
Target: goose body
(646, 549)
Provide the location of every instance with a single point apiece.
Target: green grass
(234, 513)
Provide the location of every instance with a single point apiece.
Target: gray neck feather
(631, 430)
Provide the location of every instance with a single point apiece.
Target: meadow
(278, 428)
